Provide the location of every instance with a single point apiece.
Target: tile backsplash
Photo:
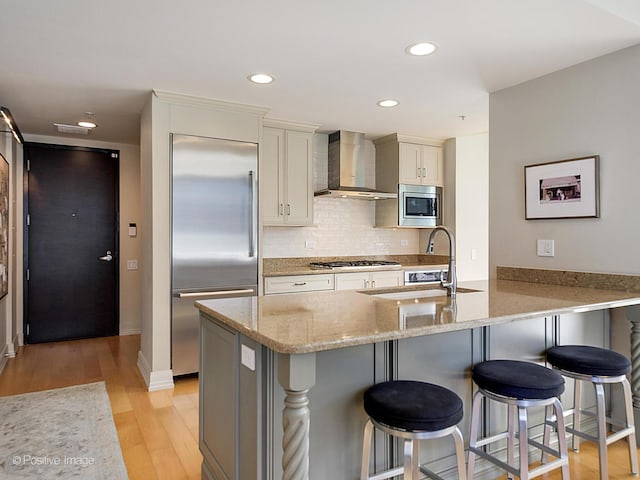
(343, 227)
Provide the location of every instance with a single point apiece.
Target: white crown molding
(286, 124)
(398, 137)
(193, 101)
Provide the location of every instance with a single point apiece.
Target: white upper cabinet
(420, 164)
(287, 176)
(410, 160)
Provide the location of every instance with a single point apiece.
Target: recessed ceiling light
(421, 49)
(388, 103)
(88, 121)
(262, 78)
(87, 124)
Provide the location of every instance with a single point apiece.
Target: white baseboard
(3, 357)
(159, 380)
(12, 348)
(130, 331)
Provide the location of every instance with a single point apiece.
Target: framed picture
(4, 227)
(563, 189)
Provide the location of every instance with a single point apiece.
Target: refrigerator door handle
(215, 293)
(251, 214)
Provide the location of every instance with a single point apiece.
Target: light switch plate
(545, 248)
(132, 264)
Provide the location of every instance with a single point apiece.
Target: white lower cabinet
(361, 280)
(330, 281)
(298, 283)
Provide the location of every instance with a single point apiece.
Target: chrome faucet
(452, 280)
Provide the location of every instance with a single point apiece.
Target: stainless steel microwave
(416, 206)
(419, 206)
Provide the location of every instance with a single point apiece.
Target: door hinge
(28, 165)
(27, 329)
(28, 220)
(27, 274)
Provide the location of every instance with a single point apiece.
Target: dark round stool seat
(588, 360)
(517, 379)
(413, 406)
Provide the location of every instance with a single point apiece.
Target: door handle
(251, 214)
(214, 293)
(107, 258)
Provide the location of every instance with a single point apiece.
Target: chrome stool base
(519, 385)
(598, 366)
(602, 438)
(517, 408)
(411, 467)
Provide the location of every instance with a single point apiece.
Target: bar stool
(519, 385)
(599, 366)
(413, 411)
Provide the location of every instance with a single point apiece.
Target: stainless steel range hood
(347, 168)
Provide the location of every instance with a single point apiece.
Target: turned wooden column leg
(633, 314)
(296, 374)
(295, 441)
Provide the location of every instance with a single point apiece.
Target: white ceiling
(333, 59)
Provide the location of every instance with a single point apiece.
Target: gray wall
(590, 108)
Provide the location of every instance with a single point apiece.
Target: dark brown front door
(71, 243)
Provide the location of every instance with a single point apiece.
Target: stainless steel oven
(426, 275)
(419, 206)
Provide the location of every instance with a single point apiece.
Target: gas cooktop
(353, 264)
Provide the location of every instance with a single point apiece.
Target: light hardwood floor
(158, 431)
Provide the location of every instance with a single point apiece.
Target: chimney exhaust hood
(347, 168)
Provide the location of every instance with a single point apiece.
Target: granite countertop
(317, 321)
(277, 267)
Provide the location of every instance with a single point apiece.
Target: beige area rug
(66, 433)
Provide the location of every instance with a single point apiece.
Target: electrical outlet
(310, 244)
(404, 243)
(545, 248)
(248, 357)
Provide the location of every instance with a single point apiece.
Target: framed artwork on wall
(4, 226)
(562, 189)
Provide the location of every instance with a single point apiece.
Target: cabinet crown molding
(400, 138)
(289, 125)
(211, 103)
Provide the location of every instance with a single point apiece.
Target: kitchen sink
(410, 293)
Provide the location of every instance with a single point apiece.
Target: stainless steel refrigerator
(214, 233)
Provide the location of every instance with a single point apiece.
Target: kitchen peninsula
(315, 353)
